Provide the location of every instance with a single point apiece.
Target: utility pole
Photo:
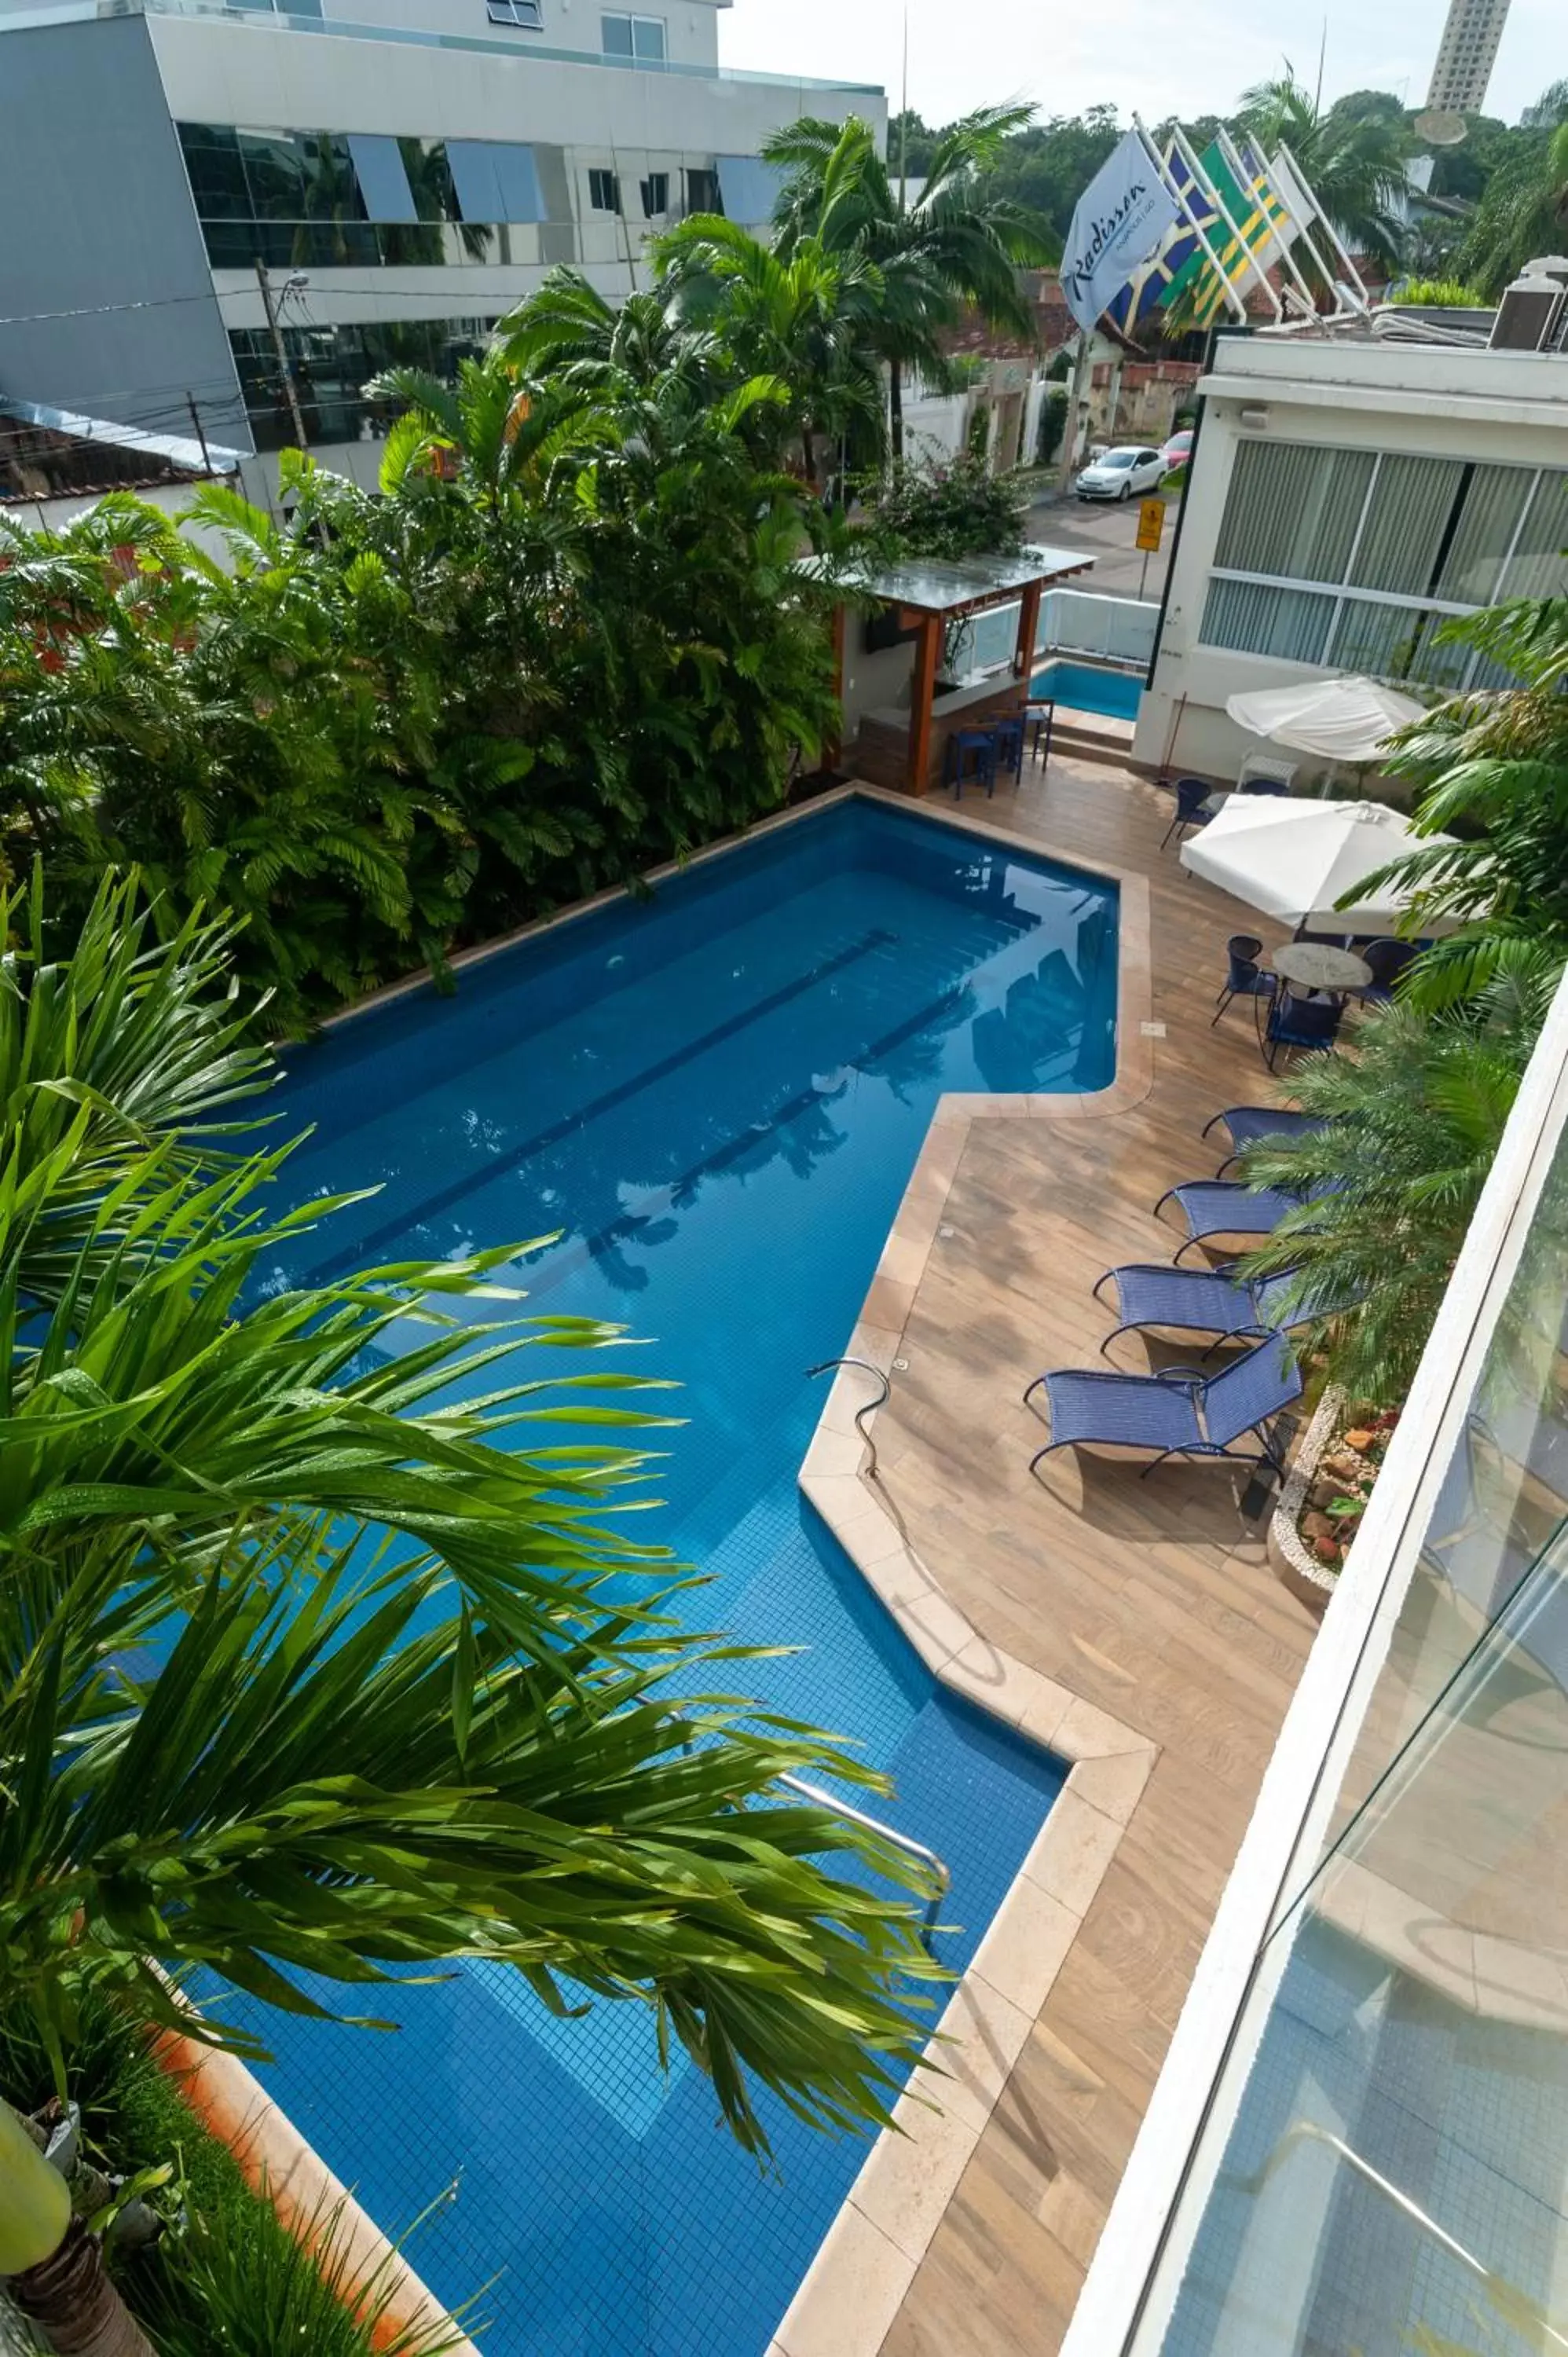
(265, 284)
(1078, 393)
(200, 430)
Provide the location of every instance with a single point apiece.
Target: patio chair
(1179, 1413)
(1199, 1301)
(1225, 1207)
(1248, 1123)
(972, 759)
(1388, 960)
(1265, 773)
(1191, 795)
(1244, 977)
(1298, 1023)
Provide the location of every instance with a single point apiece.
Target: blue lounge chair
(1180, 1413)
(1248, 1123)
(1225, 1207)
(1199, 1301)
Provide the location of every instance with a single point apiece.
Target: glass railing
(1379, 2163)
(524, 46)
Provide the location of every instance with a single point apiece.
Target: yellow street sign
(1151, 523)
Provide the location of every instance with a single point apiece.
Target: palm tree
(1413, 1115)
(1353, 162)
(1493, 764)
(804, 321)
(1523, 209)
(305, 1676)
(958, 243)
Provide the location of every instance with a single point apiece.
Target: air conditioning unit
(1532, 310)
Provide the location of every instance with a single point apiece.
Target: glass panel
(217, 174)
(1540, 568)
(1290, 623)
(383, 182)
(274, 169)
(474, 175)
(1396, 2181)
(615, 37)
(1488, 519)
(519, 183)
(1293, 510)
(1375, 638)
(1411, 501)
(647, 40)
(430, 179)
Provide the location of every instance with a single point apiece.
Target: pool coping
(866, 2264)
(847, 2301)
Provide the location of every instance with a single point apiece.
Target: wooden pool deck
(1150, 1602)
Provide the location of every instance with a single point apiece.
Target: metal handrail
(904, 1842)
(870, 1407)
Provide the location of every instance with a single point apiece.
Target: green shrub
(948, 510)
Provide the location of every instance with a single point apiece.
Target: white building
(414, 167)
(1347, 497)
(1466, 56)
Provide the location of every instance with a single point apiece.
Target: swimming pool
(718, 1095)
(1087, 688)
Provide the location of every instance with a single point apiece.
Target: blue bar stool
(1009, 735)
(972, 757)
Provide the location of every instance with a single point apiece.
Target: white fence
(1085, 623)
(1073, 622)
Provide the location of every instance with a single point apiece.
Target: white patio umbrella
(1347, 719)
(1292, 859)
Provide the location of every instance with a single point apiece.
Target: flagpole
(1249, 179)
(1170, 183)
(1195, 163)
(1334, 236)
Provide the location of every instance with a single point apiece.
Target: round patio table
(1314, 965)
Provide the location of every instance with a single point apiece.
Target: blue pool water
(717, 1096)
(1087, 688)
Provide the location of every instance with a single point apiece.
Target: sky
(1138, 54)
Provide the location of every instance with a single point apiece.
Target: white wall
(1504, 407)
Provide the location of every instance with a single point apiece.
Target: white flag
(1295, 198)
(1119, 222)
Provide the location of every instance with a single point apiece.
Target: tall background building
(401, 172)
(1467, 55)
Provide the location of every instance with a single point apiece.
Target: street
(1106, 533)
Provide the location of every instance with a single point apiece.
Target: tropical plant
(566, 643)
(1523, 208)
(959, 243)
(313, 1667)
(946, 512)
(1352, 160)
(1494, 766)
(1413, 1114)
(1435, 295)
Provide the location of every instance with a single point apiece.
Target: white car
(1122, 474)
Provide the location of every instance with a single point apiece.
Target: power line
(339, 287)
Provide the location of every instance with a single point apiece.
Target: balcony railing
(1360, 2140)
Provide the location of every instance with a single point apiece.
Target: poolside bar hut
(938, 655)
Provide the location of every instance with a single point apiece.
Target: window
(633, 40)
(702, 192)
(528, 16)
(655, 196)
(321, 200)
(330, 367)
(604, 191)
(1356, 558)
